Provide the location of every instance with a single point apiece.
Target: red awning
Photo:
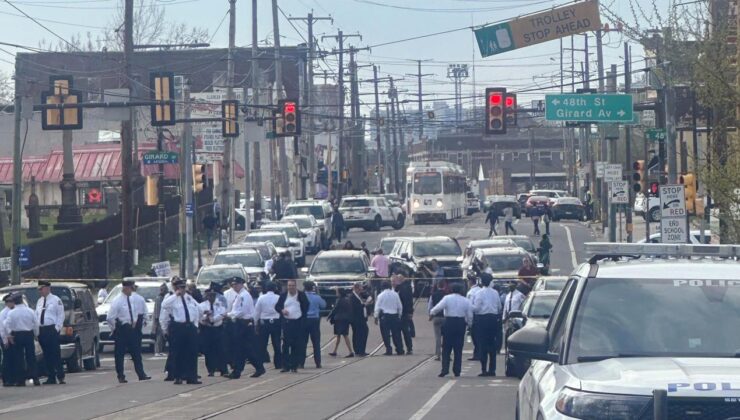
(33, 166)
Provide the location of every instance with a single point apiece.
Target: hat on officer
(178, 282)
(128, 283)
(236, 280)
(18, 298)
(44, 283)
(8, 297)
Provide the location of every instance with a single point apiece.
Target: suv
(412, 256)
(337, 269)
(319, 209)
(310, 228)
(148, 288)
(636, 327)
(502, 263)
(80, 334)
(278, 239)
(295, 238)
(266, 249)
(221, 273)
(472, 203)
(370, 213)
(250, 260)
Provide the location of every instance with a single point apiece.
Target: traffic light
(94, 196)
(61, 93)
(162, 88)
(150, 190)
(638, 176)
(230, 115)
(199, 178)
(495, 111)
(689, 183)
(510, 112)
(289, 119)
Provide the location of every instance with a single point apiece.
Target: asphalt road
(378, 386)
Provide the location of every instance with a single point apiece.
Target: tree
(6, 89)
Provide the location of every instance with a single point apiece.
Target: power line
(40, 24)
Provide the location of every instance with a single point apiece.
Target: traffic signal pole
(227, 212)
(127, 230)
(628, 140)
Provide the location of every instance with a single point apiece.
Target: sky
(380, 22)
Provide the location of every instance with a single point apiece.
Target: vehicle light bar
(599, 250)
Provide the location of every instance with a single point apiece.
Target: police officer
(388, 310)
(268, 325)
(487, 323)
(292, 306)
(126, 318)
(230, 338)
(211, 332)
(21, 324)
(180, 315)
(243, 346)
(50, 319)
(472, 291)
(312, 325)
(458, 313)
(6, 348)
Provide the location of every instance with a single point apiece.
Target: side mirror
(78, 303)
(516, 314)
(532, 343)
(405, 256)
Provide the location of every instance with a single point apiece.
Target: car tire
(399, 222)
(509, 368)
(377, 224)
(74, 363)
(654, 215)
(92, 362)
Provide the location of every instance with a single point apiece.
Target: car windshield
(667, 318)
(550, 194)
(277, 239)
(291, 231)
(428, 183)
(246, 259)
(387, 245)
(506, 262)
(32, 295)
(355, 203)
(206, 275)
(569, 201)
(525, 243)
(552, 285)
(302, 223)
(540, 306)
(333, 265)
(149, 293)
(438, 248)
(315, 211)
(263, 250)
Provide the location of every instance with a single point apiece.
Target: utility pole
(312, 164)
(389, 168)
(160, 198)
(127, 228)
(283, 165)
(357, 143)
(605, 208)
(381, 175)
(392, 94)
(611, 158)
(226, 194)
(628, 139)
(420, 95)
(15, 277)
(256, 71)
(186, 191)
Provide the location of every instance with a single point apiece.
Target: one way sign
(672, 201)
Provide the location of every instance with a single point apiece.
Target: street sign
(589, 107)
(655, 134)
(672, 201)
(189, 209)
(206, 158)
(24, 256)
(599, 166)
(619, 192)
(5, 264)
(163, 269)
(159, 158)
(673, 230)
(612, 172)
(537, 28)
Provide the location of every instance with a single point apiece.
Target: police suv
(641, 331)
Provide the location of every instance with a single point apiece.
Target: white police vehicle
(641, 331)
(370, 213)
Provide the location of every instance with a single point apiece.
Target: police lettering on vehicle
(703, 386)
(706, 283)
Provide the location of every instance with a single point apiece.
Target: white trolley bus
(436, 191)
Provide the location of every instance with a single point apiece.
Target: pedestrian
(349, 246)
(487, 322)
(340, 317)
(125, 319)
(437, 320)
(363, 248)
(492, 220)
(193, 291)
(381, 264)
(103, 292)
(514, 298)
(433, 271)
(284, 268)
(543, 253)
(589, 202)
(388, 309)
(535, 214)
(528, 271)
(337, 223)
(360, 301)
(20, 324)
(7, 349)
(509, 220)
(50, 318)
(230, 338)
(406, 294)
(270, 262)
(243, 344)
(181, 313)
(209, 227)
(292, 306)
(159, 334)
(312, 325)
(169, 364)
(547, 218)
(267, 325)
(472, 291)
(458, 313)
(211, 332)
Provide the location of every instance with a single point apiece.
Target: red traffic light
(289, 107)
(509, 101)
(496, 98)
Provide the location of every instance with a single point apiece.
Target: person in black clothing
(337, 223)
(209, 226)
(439, 291)
(193, 291)
(407, 317)
(363, 248)
(284, 268)
(547, 217)
(492, 220)
(293, 307)
(340, 317)
(360, 301)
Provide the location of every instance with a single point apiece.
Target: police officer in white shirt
(458, 313)
(514, 300)
(180, 316)
(21, 325)
(472, 291)
(126, 319)
(487, 324)
(102, 293)
(388, 310)
(244, 346)
(293, 306)
(50, 319)
(230, 340)
(7, 349)
(267, 321)
(212, 332)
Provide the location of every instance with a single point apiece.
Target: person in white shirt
(388, 311)
(126, 319)
(180, 316)
(212, 332)
(267, 321)
(509, 220)
(50, 319)
(243, 344)
(514, 300)
(472, 291)
(102, 293)
(8, 356)
(487, 324)
(230, 341)
(293, 306)
(22, 326)
(458, 313)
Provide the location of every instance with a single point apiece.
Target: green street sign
(159, 158)
(655, 134)
(612, 108)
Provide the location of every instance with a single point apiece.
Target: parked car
(80, 334)
(319, 209)
(221, 273)
(295, 238)
(370, 213)
(278, 239)
(482, 244)
(148, 288)
(568, 208)
(536, 201)
(310, 228)
(387, 243)
(250, 260)
(473, 203)
(337, 269)
(536, 311)
(524, 242)
(412, 257)
(266, 249)
(502, 263)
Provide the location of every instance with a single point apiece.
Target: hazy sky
(378, 21)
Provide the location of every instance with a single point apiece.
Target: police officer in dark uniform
(181, 313)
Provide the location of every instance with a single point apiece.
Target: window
(545, 155)
(428, 183)
(557, 325)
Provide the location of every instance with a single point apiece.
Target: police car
(638, 320)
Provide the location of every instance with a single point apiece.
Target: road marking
(573, 257)
(424, 410)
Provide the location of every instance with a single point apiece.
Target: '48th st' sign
(613, 108)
